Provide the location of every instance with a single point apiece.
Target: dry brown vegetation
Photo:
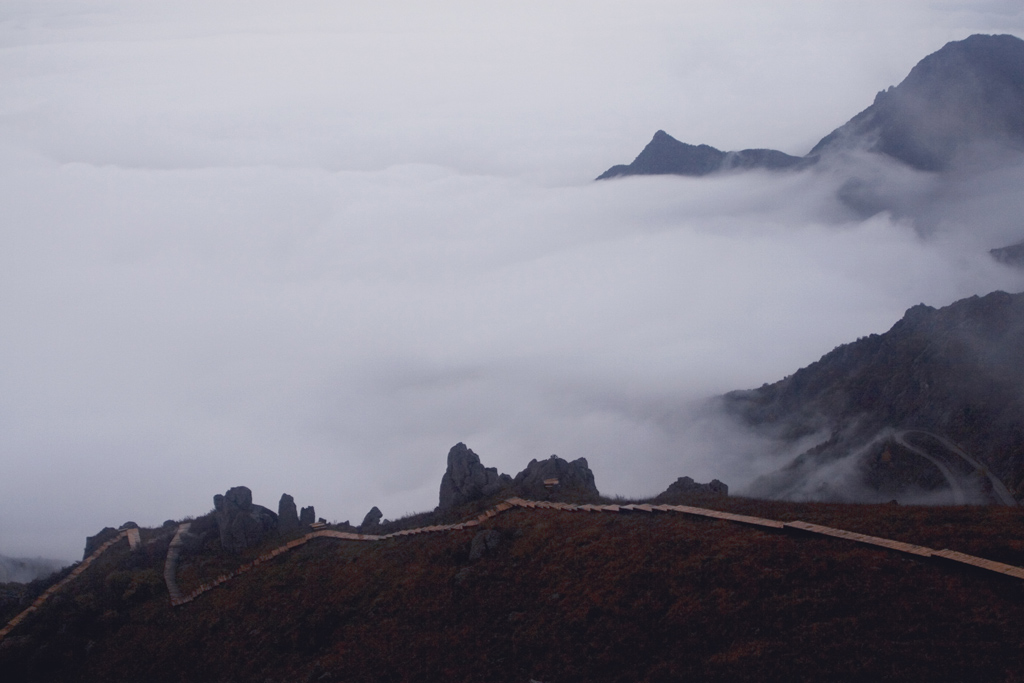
(565, 597)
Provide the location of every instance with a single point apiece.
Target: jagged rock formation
(307, 516)
(574, 479)
(685, 487)
(287, 515)
(666, 155)
(466, 479)
(956, 372)
(372, 519)
(967, 95)
(241, 523)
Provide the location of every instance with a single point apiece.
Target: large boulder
(287, 514)
(484, 543)
(372, 519)
(241, 524)
(685, 487)
(556, 478)
(307, 516)
(466, 479)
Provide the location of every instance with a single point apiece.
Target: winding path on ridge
(177, 599)
(950, 470)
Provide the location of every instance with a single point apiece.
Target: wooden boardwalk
(174, 549)
(888, 544)
(75, 573)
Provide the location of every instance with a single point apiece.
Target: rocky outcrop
(241, 523)
(307, 516)
(484, 543)
(287, 515)
(685, 487)
(466, 479)
(372, 519)
(556, 478)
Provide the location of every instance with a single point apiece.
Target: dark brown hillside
(565, 596)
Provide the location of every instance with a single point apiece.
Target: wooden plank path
(75, 573)
(171, 563)
(898, 546)
(174, 549)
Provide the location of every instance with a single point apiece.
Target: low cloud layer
(308, 250)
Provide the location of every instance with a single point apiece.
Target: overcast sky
(309, 246)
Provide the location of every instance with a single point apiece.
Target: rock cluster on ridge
(684, 487)
(574, 479)
(466, 479)
(287, 514)
(241, 523)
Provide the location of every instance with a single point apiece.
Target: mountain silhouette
(967, 97)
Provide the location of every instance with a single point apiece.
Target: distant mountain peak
(967, 93)
(664, 155)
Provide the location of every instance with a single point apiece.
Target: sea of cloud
(307, 248)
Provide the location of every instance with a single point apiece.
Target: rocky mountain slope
(965, 98)
(955, 373)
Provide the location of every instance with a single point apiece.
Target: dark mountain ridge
(966, 95)
(665, 155)
(955, 372)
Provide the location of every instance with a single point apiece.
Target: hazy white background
(308, 246)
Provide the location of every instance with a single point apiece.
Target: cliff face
(957, 372)
(967, 95)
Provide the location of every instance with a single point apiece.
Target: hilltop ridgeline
(467, 480)
(240, 524)
(552, 592)
(967, 95)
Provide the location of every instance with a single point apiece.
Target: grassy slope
(566, 597)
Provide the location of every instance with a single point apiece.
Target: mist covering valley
(310, 249)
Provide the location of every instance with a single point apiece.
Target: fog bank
(308, 249)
